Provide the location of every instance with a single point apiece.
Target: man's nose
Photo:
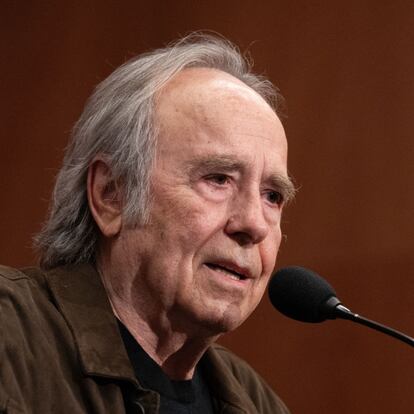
(247, 222)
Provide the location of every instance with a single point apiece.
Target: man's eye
(275, 197)
(219, 179)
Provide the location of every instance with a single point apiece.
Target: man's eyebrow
(285, 185)
(224, 163)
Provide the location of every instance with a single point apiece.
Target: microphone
(305, 296)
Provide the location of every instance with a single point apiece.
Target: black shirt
(176, 397)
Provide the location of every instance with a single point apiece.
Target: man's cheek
(202, 218)
(269, 256)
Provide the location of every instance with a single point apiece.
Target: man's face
(206, 255)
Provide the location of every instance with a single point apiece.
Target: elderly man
(162, 235)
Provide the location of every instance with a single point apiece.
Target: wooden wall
(347, 71)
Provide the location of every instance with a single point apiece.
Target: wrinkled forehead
(210, 98)
(204, 88)
(206, 113)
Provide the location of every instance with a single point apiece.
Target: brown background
(347, 71)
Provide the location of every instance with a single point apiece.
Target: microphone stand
(344, 313)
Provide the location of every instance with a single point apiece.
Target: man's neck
(176, 349)
(176, 353)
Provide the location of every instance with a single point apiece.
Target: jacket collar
(82, 300)
(224, 385)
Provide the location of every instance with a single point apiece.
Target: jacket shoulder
(23, 297)
(29, 276)
(22, 291)
(35, 341)
(10, 273)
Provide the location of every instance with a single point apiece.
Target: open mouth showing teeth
(228, 272)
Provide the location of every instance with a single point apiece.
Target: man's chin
(220, 322)
(208, 319)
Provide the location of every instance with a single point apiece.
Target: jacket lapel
(81, 298)
(230, 395)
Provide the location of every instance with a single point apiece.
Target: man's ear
(104, 197)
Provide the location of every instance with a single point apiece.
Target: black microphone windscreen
(300, 294)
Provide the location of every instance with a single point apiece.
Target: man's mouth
(230, 272)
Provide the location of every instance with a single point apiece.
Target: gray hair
(117, 123)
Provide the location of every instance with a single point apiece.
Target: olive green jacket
(61, 352)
